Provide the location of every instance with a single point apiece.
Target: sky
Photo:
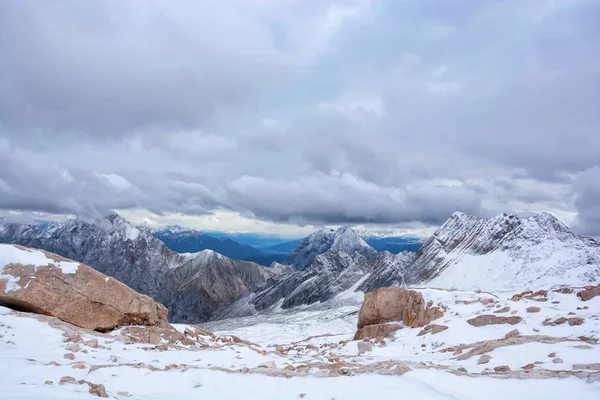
(280, 116)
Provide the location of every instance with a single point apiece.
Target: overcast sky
(282, 115)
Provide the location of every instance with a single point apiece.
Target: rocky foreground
(439, 344)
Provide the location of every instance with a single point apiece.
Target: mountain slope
(327, 240)
(505, 253)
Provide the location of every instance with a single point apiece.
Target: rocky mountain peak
(344, 239)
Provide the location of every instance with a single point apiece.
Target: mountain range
(502, 253)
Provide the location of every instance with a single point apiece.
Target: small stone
(557, 360)
(80, 366)
(124, 394)
(92, 343)
(69, 356)
(48, 383)
(529, 366)
(512, 334)
(73, 347)
(514, 312)
(67, 379)
(533, 309)
(502, 368)
(502, 310)
(97, 389)
(462, 369)
(484, 359)
(583, 346)
(552, 355)
(575, 321)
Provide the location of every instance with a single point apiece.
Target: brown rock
(396, 304)
(80, 365)
(92, 343)
(97, 389)
(533, 309)
(69, 356)
(589, 293)
(76, 294)
(124, 394)
(563, 290)
(483, 320)
(557, 360)
(529, 366)
(552, 355)
(502, 310)
(48, 383)
(592, 366)
(433, 328)
(67, 379)
(575, 321)
(502, 368)
(378, 331)
(514, 312)
(484, 359)
(462, 369)
(511, 334)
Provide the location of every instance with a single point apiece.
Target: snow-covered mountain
(327, 241)
(192, 286)
(505, 253)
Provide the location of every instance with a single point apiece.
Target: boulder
(41, 282)
(589, 293)
(377, 331)
(397, 304)
(512, 334)
(533, 309)
(483, 320)
(484, 359)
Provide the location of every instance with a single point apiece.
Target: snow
(28, 346)
(11, 284)
(10, 254)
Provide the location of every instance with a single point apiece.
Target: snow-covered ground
(309, 354)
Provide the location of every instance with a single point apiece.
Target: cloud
(356, 112)
(587, 188)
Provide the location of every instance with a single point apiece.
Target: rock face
(328, 241)
(589, 293)
(377, 331)
(397, 304)
(505, 253)
(41, 282)
(194, 287)
(483, 320)
(207, 283)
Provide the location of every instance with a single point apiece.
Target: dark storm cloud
(309, 112)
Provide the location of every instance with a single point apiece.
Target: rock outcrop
(397, 304)
(393, 305)
(41, 282)
(589, 293)
(483, 320)
(345, 239)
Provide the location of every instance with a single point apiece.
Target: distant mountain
(328, 240)
(192, 241)
(283, 248)
(394, 245)
(184, 240)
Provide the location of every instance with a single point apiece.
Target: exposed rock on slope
(505, 253)
(397, 304)
(44, 283)
(328, 241)
(206, 283)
